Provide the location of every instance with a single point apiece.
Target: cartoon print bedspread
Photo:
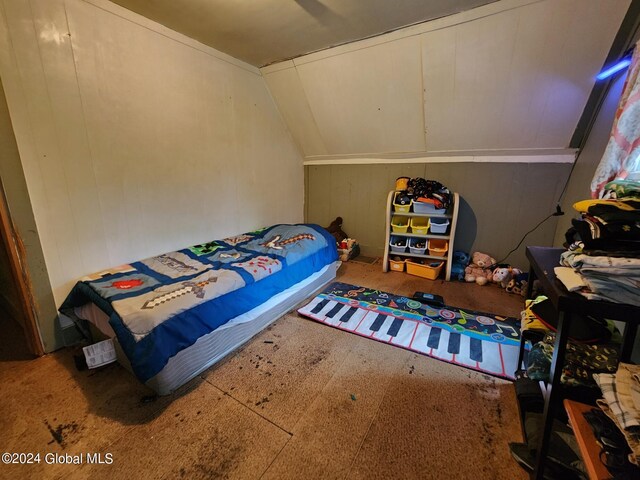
(163, 304)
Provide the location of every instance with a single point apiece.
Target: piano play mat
(481, 341)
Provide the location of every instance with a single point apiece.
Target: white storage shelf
(451, 213)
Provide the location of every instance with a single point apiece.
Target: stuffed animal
(518, 284)
(460, 260)
(478, 271)
(335, 229)
(503, 275)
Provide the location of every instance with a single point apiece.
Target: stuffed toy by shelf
(518, 284)
(503, 275)
(478, 271)
(460, 261)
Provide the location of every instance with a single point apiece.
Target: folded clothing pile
(610, 226)
(615, 279)
(604, 262)
(621, 403)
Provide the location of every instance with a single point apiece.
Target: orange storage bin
(429, 270)
(396, 265)
(438, 247)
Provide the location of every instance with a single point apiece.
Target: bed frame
(213, 347)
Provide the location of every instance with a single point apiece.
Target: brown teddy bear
(478, 270)
(335, 229)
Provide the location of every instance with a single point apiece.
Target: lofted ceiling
(261, 32)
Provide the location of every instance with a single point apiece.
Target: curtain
(622, 155)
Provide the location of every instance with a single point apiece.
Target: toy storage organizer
(419, 238)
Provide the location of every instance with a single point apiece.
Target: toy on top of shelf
(429, 191)
(402, 183)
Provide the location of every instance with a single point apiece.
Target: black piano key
(434, 337)
(377, 323)
(475, 349)
(334, 310)
(454, 343)
(348, 314)
(395, 327)
(320, 306)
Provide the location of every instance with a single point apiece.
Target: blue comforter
(163, 304)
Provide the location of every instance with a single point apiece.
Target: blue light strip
(623, 63)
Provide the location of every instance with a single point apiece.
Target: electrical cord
(557, 213)
(631, 37)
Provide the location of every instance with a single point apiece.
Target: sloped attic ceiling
(262, 32)
(508, 78)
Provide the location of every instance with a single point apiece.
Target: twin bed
(176, 314)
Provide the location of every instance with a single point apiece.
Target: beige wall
(499, 203)
(589, 158)
(494, 94)
(136, 140)
(513, 75)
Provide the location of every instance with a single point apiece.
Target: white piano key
(491, 360)
(405, 334)
(335, 320)
(310, 306)
(382, 334)
(365, 326)
(322, 314)
(463, 357)
(510, 359)
(419, 343)
(441, 352)
(354, 321)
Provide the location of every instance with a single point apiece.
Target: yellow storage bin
(399, 224)
(438, 247)
(419, 225)
(429, 270)
(401, 208)
(396, 265)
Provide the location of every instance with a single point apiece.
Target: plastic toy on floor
(348, 249)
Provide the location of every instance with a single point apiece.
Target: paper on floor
(101, 353)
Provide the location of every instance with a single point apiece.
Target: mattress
(160, 306)
(213, 347)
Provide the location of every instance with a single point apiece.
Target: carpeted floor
(301, 400)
